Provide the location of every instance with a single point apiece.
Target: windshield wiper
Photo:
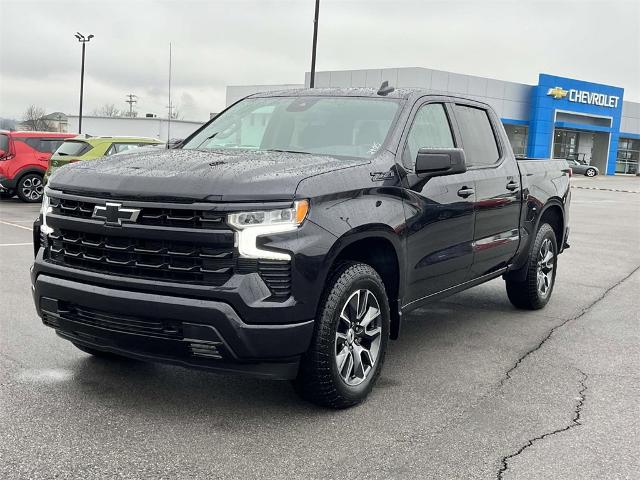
(206, 139)
(286, 151)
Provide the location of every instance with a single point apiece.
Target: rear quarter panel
(24, 159)
(545, 183)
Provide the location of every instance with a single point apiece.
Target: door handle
(512, 185)
(465, 192)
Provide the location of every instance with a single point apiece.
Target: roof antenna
(385, 89)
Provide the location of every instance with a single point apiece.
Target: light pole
(312, 80)
(83, 40)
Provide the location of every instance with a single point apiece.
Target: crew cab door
(439, 210)
(495, 172)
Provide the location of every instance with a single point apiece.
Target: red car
(24, 157)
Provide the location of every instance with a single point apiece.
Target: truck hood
(241, 175)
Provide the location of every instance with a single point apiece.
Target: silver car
(587, 170)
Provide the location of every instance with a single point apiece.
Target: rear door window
(73, 148)
(478, 138)
(33, 143)
(123, 147)
(44, 145)
(50, 145)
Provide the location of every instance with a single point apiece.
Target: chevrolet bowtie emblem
(557, 92)
(113, 214)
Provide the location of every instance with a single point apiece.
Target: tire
(533, 293)
(95, 352)
(30, 188)
(352, 296)
(590, 172)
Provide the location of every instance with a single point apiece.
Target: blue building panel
(555, 94)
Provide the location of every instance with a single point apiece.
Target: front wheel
(31, 188)
(591, 172)
(349, 344)
(535, 290)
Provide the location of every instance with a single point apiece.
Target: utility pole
(170, 107)
(131, 100)
(83, 40)
(312, 80)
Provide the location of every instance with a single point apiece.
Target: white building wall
(630, 121)
(509, 99)
(128, 127)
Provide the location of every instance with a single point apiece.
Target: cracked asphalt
(474, 389)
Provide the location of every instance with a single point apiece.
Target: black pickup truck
(287, 237)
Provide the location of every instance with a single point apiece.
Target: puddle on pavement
(48, 375)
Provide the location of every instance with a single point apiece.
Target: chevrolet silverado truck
(288, 236)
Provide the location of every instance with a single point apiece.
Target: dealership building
(557, 118)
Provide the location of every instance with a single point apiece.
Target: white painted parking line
(15, 225)
(15, 244)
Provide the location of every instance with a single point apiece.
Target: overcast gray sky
(218, 43)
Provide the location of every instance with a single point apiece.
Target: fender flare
(25, 171)
(369, 232)
(520, 273)
(552, 202)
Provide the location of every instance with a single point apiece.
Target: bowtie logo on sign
(557, 92)
(583, 96)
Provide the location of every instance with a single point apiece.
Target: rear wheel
(350, 341)
(535, 290)
(31, 188)
(591, 172)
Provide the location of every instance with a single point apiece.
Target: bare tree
(34, 120)
(107, 110)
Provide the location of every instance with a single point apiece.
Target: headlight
(45, 209)
(251, 225)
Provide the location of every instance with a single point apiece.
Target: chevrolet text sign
(583, 96)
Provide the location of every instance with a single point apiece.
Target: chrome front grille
(171, 242)
(143, 258)
(149, 215)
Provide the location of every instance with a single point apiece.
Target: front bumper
(189, 332)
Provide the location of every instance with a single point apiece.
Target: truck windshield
(354, 127)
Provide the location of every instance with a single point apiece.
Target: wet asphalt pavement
(473, 388)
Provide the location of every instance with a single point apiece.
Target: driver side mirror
(435, 162)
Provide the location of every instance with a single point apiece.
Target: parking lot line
(15, 225)
(15, 244)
